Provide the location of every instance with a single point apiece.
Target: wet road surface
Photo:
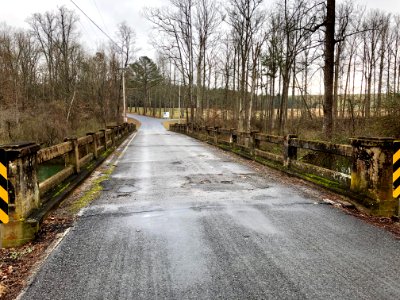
(180, 220)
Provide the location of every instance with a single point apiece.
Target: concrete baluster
(104, 131)
(114, 134)
(72, 158)
(23, 191)
(372, 174)
(216, 132)
(234, 138)
(93, 147)
(289, 152)
(255, 143)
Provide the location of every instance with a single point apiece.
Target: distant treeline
(244, 57)
(50, 86)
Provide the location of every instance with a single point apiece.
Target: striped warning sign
(396, 169)
(3, 189)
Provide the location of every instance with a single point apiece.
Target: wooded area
(318, 69)
(51, 87)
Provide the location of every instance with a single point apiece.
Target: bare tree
(329, 64)
(176, 27)
(206, 21)
(245, 17)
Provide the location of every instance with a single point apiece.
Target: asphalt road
(179, 219)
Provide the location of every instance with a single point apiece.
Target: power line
(101, 16)
(97, 25)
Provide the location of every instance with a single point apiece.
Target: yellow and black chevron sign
(396, 169)
(3, 189)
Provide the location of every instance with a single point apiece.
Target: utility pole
(179, 102)
(124, 95)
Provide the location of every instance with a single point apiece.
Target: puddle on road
(253, 219)
(214, 183)
(121, 195)
(107, 185)
(262, 197)
(205, 181)
(227, 182)
(127, 188)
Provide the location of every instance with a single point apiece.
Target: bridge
(181, 219)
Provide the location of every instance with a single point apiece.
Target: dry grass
(136, 122)
(168, 123)
(174, 112)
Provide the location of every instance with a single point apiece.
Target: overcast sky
(108, 13)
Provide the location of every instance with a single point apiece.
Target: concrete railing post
(230, 138)
(93, 147)
(255, 143)
(289, 152)
(194, 128)
(72, 158)
(104, 131)
(234, 138)
(23, 191)
(208, 133)
(216, 132)
(120, 131)
(114, 134)
(247, 136)
(123, 129)
(372, 174)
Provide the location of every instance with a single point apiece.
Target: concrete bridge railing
(29, 200)
(369, 180)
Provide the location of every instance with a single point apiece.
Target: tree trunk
(329, 68)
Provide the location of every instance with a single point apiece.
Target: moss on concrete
(92, 193)
(61, 188)
(225, 147)
(242, 153)
(18, 233)
(362, 199)
(269, 163)
(323, 181)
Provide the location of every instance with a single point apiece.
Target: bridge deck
(179, 219)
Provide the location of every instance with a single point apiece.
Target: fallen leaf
(3, 290)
